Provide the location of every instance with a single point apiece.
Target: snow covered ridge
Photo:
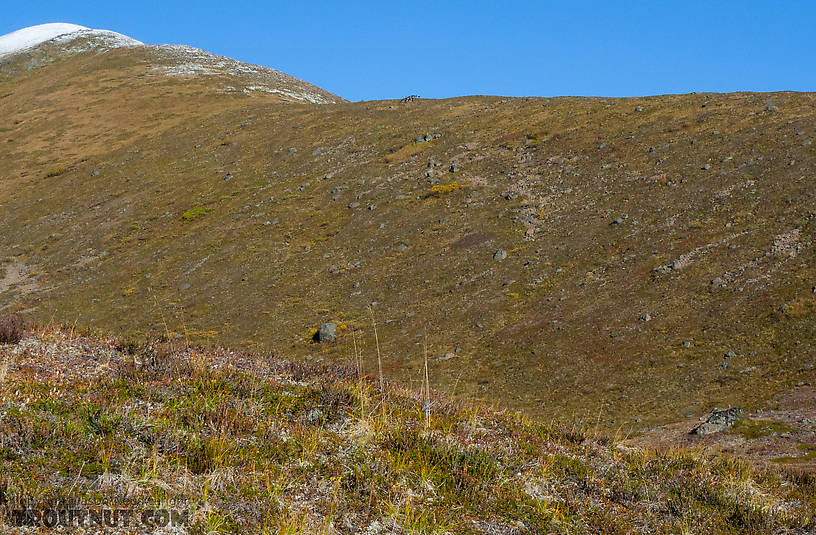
(189, 61)
(59, 32)
(168, 60)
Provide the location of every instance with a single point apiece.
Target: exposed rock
(500, 255)
(638, 108)
(326, 333)
(424, 138)
(718, 420)
(314, 416)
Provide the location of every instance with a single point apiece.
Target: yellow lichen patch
(128, 291)
(445, 188)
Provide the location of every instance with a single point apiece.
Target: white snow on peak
(171, 60)
(35, 35)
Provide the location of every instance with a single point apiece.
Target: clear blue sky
(374, 50)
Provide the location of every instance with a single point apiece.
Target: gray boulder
(326, 333)
(718, 420)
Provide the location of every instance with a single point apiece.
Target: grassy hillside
(251, 444)
(636, 261)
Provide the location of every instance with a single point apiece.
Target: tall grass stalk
(379, 362)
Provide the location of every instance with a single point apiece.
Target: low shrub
(193, 213)
(56, 171)
(12, 328)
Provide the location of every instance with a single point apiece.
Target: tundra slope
(658, 250)
(257, 445)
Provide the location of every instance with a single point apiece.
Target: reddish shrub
(12, 328)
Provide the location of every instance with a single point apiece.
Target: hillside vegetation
(634, 261)
(251, 444)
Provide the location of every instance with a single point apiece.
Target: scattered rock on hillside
(718, 420)
(500, 255)
(326, 333)
(639, 108)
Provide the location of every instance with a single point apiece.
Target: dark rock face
(718, 420)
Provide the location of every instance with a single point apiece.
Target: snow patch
(34, 35)
(307, 97)
(189, 61)
(61, 33)
(99, 40)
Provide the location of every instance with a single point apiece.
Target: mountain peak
(49, 43)
(32, 36)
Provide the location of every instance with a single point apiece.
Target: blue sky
(374, 50)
